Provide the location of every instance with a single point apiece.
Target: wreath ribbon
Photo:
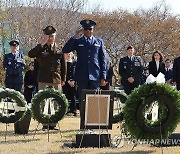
(159, 79)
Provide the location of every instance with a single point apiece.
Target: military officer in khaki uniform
(130, 70)
(52, 65)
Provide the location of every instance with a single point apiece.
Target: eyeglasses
(87, 28)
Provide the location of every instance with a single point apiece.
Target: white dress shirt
(157, 65)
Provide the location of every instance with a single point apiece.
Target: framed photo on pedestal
(97, 109)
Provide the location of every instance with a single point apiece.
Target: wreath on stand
(138, 119)
(8, 96)
(120, 97)
(38, 104)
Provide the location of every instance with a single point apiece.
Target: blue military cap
(49, 30)
(14, 43)
(88, 24)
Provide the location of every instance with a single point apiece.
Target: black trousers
(70, 93)
(28, 93)
(178, 86)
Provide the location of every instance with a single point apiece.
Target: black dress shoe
(44, 128)
(74, 114)
(53, 128)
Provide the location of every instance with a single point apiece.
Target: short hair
(130, 47)
(167, 60)
(160, 54)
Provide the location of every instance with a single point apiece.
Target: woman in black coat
(30, 82)
(156, 65)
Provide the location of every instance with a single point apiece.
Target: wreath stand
(47, 130)
(47, 113)
(48, 109)
(7, 105)
(154, 116)
(144, 125)
(96, 113)
(7, 108)
(121, 98)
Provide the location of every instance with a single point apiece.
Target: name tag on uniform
(125, 64)
(45, 53)
(81, 45)
(58, 61)
(97, 45)
(136, 63)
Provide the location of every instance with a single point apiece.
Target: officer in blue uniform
(90, 70)
(14, 63)
(130, 70)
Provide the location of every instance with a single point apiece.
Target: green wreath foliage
(139, 98)
(45, 94)
(19, 99)
(122, 97)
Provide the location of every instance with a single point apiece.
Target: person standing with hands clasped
(14, 64)
(130, 70)
(51, 61)
(90, 70)
(156, 65)
(69, 89)
(29, 83)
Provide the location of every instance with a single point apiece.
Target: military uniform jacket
(52, 65)
(176, 70)
(128, 68)
(13, 68)
(169, 74)
(91, 61)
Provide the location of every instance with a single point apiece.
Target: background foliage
(147, 30)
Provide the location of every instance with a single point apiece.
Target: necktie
(167, 71)
(130, 58)
(88, 41)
